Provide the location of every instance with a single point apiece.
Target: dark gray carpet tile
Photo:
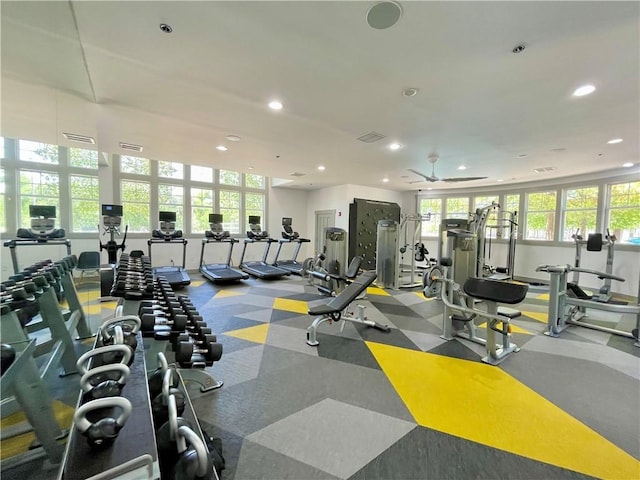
(269, 292)
(416, 324)
(299, 321)
(279, 315)
(231, 446)
(393, 337)
(455, 349)
(420, 455)
(396, 309)
(582, 388)
(304, 297)
(427, 309)
(346, 350)
(382, 299)
(220, 324)
(624, 344)
(275, 359)
(213, 310)
(262, 463)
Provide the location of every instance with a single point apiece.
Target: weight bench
(334, 309)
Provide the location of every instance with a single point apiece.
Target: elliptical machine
(111, 221)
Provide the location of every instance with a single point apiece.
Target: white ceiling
(105, 69)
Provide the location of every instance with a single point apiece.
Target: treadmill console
(256, 232)
(43, 224)
(167, 230)
(215, 228)
(287, 229)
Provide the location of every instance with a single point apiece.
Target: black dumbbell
(205, 346)
(103, 432)
(107, 387)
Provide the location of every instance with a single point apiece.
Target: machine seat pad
(348, 295)
(510, 313)
(495, 290)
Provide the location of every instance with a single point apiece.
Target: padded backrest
(495, 290)
(350, 293)
(354, 267)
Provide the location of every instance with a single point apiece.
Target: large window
(254, 205)
(201, 207)
(457, 207)
(171, 199)
(511, 202)
(37, 152)
(541, 215)
(228, 177)
(136, 198)
(135, 165)
(492, 226)
(38, 188)
(85, 194)
(81, 158)
(251, 180)
(580, 212)
(230, 210)
(430, 209)
(201, 174)
(624, 212)
(171, 170)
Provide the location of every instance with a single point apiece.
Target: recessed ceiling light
(222, 148)
(233, 138)
(385, 180)
(500, 180)
(628, 164)
(462, 167)
(166, 28)
(410, 92)
(615, 140)
(275, 105)
(394, 146)
(429, 188)
(584, 90)
(322, 168)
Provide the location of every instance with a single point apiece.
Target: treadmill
(219, 272)
(289, 236)
(167, 233)
(260, 269)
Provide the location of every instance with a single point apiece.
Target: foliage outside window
(230, 210)
(85, 194)
(201, 207)
(492, 229)
(38, 188)
(3, 210)
(541, 215)
(580, 212)
(82, 158)
(624, 212)
(38, 152)
(511, 202)
(171, 199)
(171, 170)
(227, 177)
(431, 207)
(201, 174)
(136, 197)
(135, 165)
(251, 180)
(254, 205)
(457, 207)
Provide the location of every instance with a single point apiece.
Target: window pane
(38, 188)
(202, 174)
(252, 180)
(171, 199)
(84, 203)
(3, 210)
(38, 152)
(79, 157)
(227, 177)
(230, 210)
(624, 212)
(201, 207)
(135, 199)
(254, 205)
(581, 209)
(541, 215)
(171, 170)
(511, 202)
(137, 165)
(457, 207)
(432, 208)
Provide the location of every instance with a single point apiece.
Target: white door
(324, 218)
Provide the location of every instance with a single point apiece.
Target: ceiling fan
(433, 158)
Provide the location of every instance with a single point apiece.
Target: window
(81, 158)
(457, 207)
(252, 180)
(511, 202)
(254, 205)
(85, 194)
(202, 174)
(230, 210)
(135, 165)
(3, 210)
(492, 229)
(38, 188)
(135, 198)
(171, 199)
(38, 152)
(170, 170)
(541, 216)
(431, 207)
(624, 212)
(580, 212)
(201, 207)
(227, 177)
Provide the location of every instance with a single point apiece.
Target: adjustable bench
(333, 310)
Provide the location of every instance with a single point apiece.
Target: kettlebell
(102, 433)
(106, 387)
(99, 353)
(157, 377)
(193, 462)
(159, 405)
(167, 435)
(130, 325)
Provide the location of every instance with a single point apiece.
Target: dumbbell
(194, 462)
(160, 403)
(103, 432)
(157, 377)
(210, 351)
(150, 321)
(129, 327)
(106, 387)
(107, 355)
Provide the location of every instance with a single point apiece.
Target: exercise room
(320, 240)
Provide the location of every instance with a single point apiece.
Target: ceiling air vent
(544, 169)
(131, 146)
(297, 174)
(79, 138)
(371, 137)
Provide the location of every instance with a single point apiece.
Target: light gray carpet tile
(239, 366)
(410, 298)
(333, 436)
(263, 316)
(425, 341)
(415, 324)
(289, 338)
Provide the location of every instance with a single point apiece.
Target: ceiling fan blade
(462, 179)
(428, 179)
